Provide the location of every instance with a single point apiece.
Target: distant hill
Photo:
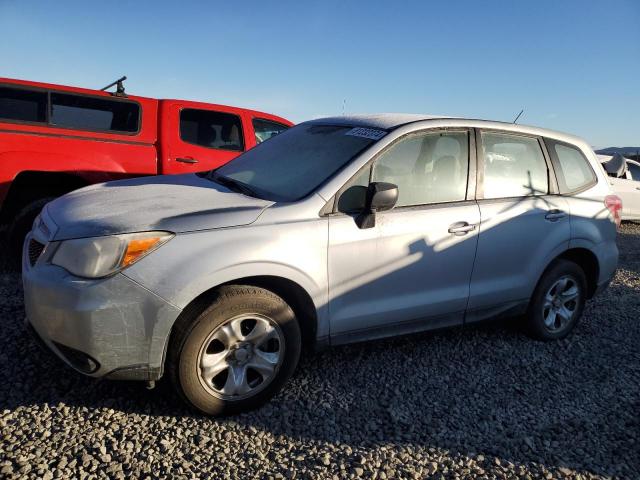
(621, 150)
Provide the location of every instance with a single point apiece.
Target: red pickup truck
(54, 139)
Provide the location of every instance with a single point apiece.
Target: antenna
(119, 89)
(516, 119)
(344, 102)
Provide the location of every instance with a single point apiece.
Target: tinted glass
(514, 166)
(266, 129)
(23, 105)
(296, 162)
(427, 168)
(91, 113)
(634, 170)
(211, 129)
(575, 170)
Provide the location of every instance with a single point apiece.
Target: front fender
(194, 263)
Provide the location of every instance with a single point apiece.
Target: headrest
(229, 133)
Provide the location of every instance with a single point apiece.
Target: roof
(390, 121)
(377, 120)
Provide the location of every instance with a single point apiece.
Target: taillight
(614, 205)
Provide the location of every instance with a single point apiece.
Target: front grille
(35, 250)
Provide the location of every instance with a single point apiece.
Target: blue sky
(572, 65)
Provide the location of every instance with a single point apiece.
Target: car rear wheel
(237, 353)
(557, 302)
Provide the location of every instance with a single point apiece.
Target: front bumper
(107, 327)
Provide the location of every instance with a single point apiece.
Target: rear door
(524, 222)
(198, 137)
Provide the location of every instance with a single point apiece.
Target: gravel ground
(484, 401)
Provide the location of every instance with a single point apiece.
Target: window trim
(558, 167)
(552, 184)
(242, 135)
(49, 106)
(471, 172)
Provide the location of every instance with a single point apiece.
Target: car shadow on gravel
(483, 390)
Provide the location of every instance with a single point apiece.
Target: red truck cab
(54, 139)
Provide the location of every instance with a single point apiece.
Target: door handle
(186, 160)
(461, 228)
(555, 214)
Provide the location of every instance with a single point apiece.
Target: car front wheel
(237, 353)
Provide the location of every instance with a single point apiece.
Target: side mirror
(353, 199)
(381, 196)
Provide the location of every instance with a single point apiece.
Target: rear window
(92, 113)
(23, 105)
(211, 129)
(574, 173)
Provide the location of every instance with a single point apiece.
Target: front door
(412, 269)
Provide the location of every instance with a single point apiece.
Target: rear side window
(211, 129)
(91, 113)
(574, 173)
(265, 129)
(514, 166)
(23, 105)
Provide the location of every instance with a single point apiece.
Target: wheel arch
(586, 260)
(30, 185)
(291, 292)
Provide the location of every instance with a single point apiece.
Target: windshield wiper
(234, 185)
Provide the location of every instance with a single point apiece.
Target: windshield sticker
(372, 133)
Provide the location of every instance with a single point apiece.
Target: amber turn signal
(137, 248)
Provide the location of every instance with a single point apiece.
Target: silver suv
(337, 230)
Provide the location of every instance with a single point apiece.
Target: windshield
(294, 163)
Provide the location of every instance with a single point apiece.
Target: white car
(624, 177)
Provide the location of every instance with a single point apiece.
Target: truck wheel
(557, 302)
(21, 225)
(237, 353)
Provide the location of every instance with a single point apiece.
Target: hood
(176, 203)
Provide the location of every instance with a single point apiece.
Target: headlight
(101, 256)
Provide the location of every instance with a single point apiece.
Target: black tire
(194, 328)
(538, 307)
(19, 228)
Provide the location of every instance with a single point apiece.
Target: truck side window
(23, 105)
(211, 129)
(265, 129)
(94, 113)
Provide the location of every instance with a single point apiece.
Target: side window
(574, 172)
(427, 168)
(92, 113)
(23, 105)
(211, 129)
(353, 198)
(265, 129)
(634, 170)
(514, 166)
